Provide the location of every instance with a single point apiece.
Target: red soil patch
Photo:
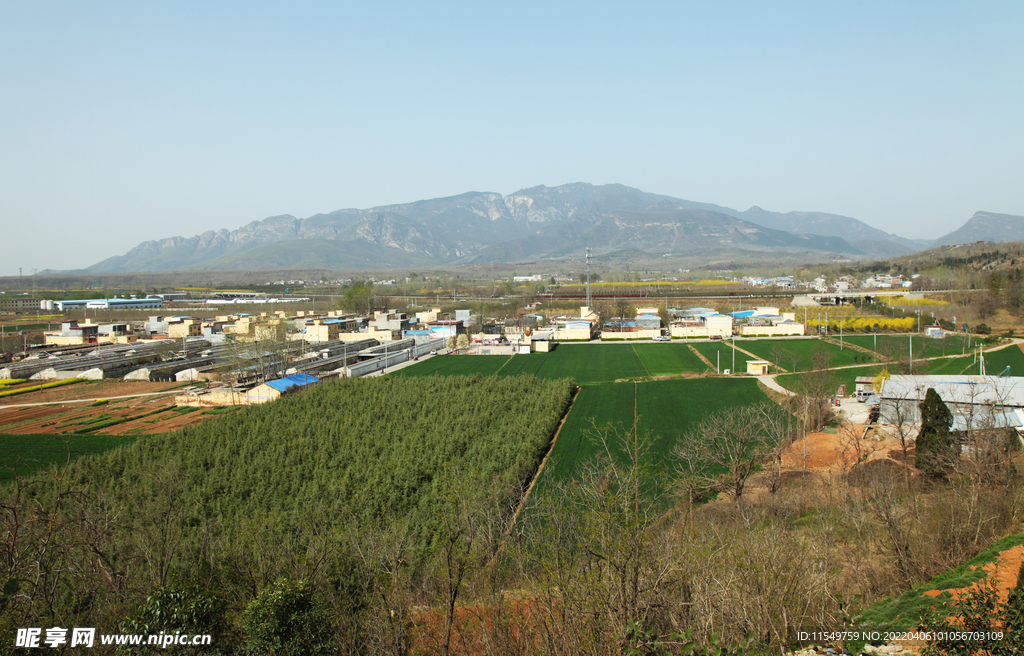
(824, 452)
(1002, 573)
(506, 626)
(66, 417)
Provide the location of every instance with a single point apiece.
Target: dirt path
(641, 360)
(543, 462)
(92, 400)
(701, 356)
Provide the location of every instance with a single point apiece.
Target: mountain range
(531, 224)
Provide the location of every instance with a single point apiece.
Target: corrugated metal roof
(958, 389)
(295, 380)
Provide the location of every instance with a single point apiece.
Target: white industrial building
(974, 401)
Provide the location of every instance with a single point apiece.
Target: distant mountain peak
(986, 226)
(530, 224)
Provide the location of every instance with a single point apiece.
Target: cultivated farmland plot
(365, 449)
(723, 352)
(799, 354)
(794, 382)
(847, 375)
(587, 364)
(668, 359)
(924, 347)
(663, 409)
(31, 453)
(1010, 356)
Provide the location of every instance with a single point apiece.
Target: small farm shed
(758, 367)
(274, 389)
(864, 384)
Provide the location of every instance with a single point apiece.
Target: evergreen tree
(286, 620)
(937, 448)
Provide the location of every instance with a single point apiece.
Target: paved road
(769, 382)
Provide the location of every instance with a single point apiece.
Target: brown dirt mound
(873, 469)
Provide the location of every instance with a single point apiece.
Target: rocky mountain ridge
(536, 223)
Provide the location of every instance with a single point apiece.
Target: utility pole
(588, 277)
(911, 338)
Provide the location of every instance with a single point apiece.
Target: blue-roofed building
(274, 389)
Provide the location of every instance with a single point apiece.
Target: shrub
(285, 620)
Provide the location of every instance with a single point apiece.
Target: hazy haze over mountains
(531, 224)
(986, 226)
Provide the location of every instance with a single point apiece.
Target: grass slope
(905, 611)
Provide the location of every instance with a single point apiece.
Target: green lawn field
(39, 452)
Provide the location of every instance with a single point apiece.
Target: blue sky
(131, 121)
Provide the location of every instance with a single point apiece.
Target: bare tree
(738, 442)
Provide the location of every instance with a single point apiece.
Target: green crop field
(597, 405)
(712, 351)
(1010, 356)
(940, 367)
(799, 354)
(794, 382)
(586, 363)
(898, 345)
(665, 409)
(455, 365)
(668, 359)
(39, 452)
(947, 366)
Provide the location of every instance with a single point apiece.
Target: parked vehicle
(662, 338)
